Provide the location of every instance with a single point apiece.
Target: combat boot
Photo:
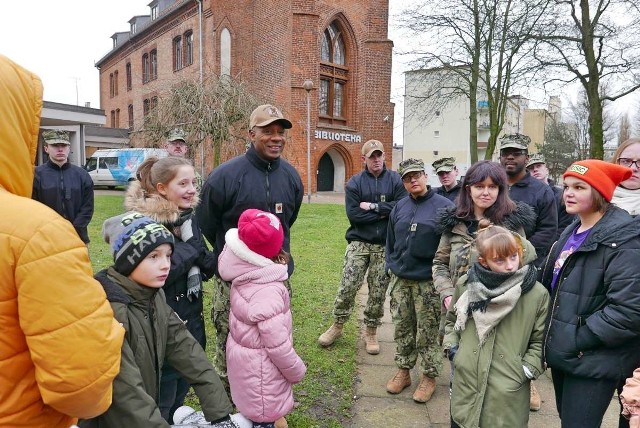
(425, 389)
(328, 337)
(281, 423)
(399, 381)
(534, 400)
(371, 341)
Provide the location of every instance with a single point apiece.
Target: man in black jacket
(523, 187)
(258, 179)
(447, 172)
(65, 188)
(538, 169)
(369, 198)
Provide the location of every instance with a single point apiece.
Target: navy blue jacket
(412, 237)
(594, 320)
(385, 190)
(540, 196)
(451, 194)
(68, 190)
(244, 182)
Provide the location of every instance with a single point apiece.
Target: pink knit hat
(261, 232)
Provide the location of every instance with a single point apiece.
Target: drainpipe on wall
(200, 44)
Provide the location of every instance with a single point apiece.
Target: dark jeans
(263, 424)
(173, 390)
(582, 402)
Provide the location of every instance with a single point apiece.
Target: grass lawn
(325, 396)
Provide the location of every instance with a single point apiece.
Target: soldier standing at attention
(62, 186)
(447, 172)
(369, 198)
(412, 241)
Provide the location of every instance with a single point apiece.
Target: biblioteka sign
(347, 137)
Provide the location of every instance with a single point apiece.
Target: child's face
(577, 196)
(153, 270)
(181, 189)
(501, 264)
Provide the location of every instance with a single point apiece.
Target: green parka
(490, 388)
(153, 332)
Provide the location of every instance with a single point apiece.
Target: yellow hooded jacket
(59, 343)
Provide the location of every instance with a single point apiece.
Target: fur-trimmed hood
(522, 217)
(154, 206)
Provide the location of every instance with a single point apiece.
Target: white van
(116, 167)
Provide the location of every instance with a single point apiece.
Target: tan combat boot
(328, 337)
(281, 423)
(534, 400)
(425, 389)
(371, 341)
(399, 381)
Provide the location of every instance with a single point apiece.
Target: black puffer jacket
(594, 323)
(249, 182)
(385, 190)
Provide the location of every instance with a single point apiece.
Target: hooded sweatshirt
(60, 346)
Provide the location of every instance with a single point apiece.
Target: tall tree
(214, 111)
(598, 43)
(559, 148)
(484, 43)
(624, 132)
(578, 113)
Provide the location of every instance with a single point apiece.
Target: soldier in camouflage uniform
(412, 241)
(370, 197)
(176, 145)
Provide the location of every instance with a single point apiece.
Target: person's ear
(162, 189)
(483, 262)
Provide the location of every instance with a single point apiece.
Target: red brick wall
(275, 46)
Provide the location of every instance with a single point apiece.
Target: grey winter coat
(490, 388)
(153, 332)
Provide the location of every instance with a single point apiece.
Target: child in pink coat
(262, 364)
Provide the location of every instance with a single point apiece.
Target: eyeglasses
(514, 153)
(628, 162)
(409, 177)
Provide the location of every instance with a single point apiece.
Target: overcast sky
(60, 40)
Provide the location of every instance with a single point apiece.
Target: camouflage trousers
(359, 257)
(415, 310)
(220, 317)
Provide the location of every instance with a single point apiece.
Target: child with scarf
(494, 332)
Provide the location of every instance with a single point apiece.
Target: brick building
(273, 46)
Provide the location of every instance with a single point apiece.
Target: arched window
(177, 53)
(128, 73)
(115, 83)
(153, 67)
(334, 76)
(130, 112)
(145, 68)
(188, 48)
(225, 52)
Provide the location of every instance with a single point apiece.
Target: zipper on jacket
(268, 188)
(155, 347)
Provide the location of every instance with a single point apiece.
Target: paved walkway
(375, 407)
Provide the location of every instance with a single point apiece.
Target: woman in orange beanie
(592, 342)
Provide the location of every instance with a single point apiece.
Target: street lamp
(308, 86)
